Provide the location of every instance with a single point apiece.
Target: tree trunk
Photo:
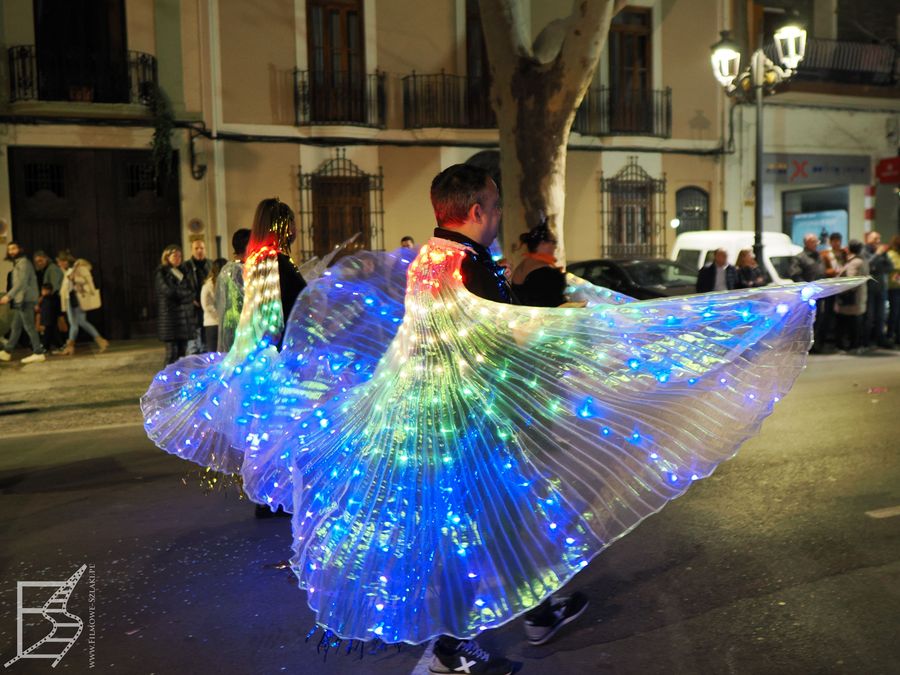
(535, 92)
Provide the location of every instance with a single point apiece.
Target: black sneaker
(467, 657)
(544, 621)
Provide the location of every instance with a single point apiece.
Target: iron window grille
(632, 211)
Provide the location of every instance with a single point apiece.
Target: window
(338, 201)
(632, 211)
(81, 50)
(630, 76)
(692, 209)
(337, 77)
(44, 176)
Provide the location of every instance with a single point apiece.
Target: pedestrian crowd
(48, 302)
(857, 321)
(189, 316)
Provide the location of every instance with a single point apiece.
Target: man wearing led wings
(483, 459)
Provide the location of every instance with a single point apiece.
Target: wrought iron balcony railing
(843, 62)
(79, 79)
(609, 112)
(340, 98)
(449, 101)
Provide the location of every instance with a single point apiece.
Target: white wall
(801, 130)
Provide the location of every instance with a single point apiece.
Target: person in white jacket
(208, 303)
(78, 295)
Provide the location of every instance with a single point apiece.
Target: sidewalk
(82, 391)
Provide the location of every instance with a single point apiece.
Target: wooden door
(104, 206)
(630, 81)
(337, 71)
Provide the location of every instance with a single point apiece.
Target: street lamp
(760, 76)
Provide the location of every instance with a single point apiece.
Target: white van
(695, 249)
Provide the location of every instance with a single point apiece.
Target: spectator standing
(836, 256)
(850, 306)
(893, 326)
(748, 273)
(407, 242)
(537, 280)
(230, 290)
(22, 297)
(208, 303)
(808, 266)
(717, 275)
(875, 253)
(176, 320)
(197, 270)
(78, 295)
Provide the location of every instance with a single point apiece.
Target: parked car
(695, 249)
(642, 279)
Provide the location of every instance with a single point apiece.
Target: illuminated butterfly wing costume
(492, 450)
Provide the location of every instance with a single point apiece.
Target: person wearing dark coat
(717, 275)
(176, 322)
(537, 280)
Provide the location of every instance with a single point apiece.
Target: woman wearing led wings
(494, 450)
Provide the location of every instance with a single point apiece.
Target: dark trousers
(847, 331)
(824, 322)
(175, 349)
(51, 338)
(211, 338)
(873, 331)
(893, 324)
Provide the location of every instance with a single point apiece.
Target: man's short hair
(239, 240)
(455, 190)
(836, 235)
(40, 254)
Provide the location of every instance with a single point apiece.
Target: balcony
(842, 62)
(447, 101)
(608, 112)
(80, 80)
(340, 98)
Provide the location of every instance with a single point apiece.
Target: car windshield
(782, 265)
(659, 273)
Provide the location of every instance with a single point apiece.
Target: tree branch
(503, 25)
(586, 36)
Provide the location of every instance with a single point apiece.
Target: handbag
(89, 299)
(88, 294)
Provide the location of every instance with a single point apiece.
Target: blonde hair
(168, 251)
(742, 254)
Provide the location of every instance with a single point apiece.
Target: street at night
(786, 560)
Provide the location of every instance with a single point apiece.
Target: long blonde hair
(745, 254)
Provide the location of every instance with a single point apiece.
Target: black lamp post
(760, 76)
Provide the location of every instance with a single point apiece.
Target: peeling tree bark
(535, 92)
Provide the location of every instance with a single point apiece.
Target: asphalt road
(773, 565)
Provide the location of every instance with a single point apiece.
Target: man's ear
(476, 212)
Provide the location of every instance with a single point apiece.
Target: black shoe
(467, 657)
(542, 623)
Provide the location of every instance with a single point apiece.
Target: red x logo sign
(799, 169)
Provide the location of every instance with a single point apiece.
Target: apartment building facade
(831, 133)
(344, 109)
